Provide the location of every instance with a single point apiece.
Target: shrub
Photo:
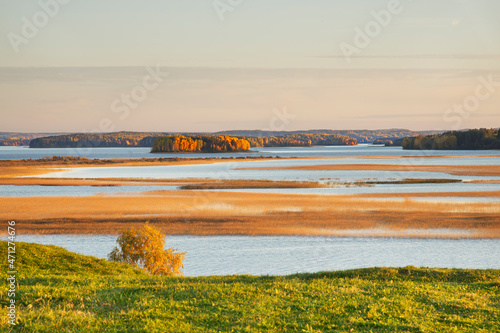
(144, 249)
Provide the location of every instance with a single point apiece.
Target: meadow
(60, 291)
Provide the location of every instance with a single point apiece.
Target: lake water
(7, 153)
(223, 255)
(232, 170)
(76, 191)
(38, 190)
(236, 170)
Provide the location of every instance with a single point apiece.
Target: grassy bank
(62, 291)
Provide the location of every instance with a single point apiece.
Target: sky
(209, 65)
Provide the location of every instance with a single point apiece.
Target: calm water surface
(76, 191)
(332, 151)
(232, 170)
(223, 255)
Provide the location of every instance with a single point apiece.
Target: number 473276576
(11, 231)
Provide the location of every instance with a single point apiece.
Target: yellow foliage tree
(144, 249)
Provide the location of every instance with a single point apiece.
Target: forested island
(256, 138)
(222, 143)
(475, 139)
(187, 142)
(205, 144)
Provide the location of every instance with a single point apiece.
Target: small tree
(144, 249)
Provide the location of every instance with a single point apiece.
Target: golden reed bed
(232, 213)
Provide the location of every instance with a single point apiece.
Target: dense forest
(147, 139)
(84, 140)
(256, 138)
(302, 140)
(362, 136)
(456, 140)
(206, 144)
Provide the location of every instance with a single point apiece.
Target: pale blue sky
(443, 44)
(261, 33)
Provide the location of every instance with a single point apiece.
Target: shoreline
(98, 295)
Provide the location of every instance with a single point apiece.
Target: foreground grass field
(59, 291)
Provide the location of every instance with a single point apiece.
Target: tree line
(473, 139)
(188, 142)
(302, 140)
(362, 136)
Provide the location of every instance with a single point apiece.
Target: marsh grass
(236, 213)
(60, 291)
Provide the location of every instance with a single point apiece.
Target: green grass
(59, 291)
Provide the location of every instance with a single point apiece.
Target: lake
(348, 155)
(231, 170)
(16, 153)
(223, 255)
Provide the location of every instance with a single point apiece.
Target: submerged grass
(60, 291)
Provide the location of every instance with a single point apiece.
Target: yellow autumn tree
(144, 249)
